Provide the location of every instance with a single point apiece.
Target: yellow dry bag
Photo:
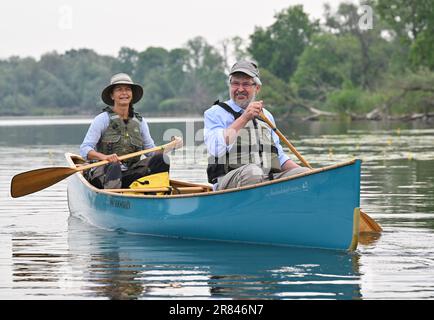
(157, 180)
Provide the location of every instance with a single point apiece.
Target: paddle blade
(367, 224)
(35, 180)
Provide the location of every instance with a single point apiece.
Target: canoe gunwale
(70, 156)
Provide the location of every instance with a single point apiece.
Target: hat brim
(136, 89)
(245, 71)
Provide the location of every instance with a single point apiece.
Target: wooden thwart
(181, 190)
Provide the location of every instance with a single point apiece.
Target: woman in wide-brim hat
(121, 79)
(118, 130)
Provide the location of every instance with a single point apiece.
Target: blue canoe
(315, 209)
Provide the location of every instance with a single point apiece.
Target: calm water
(46, 254)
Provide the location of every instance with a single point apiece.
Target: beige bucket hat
(121, 78)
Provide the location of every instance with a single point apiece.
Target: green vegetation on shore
(310, 68)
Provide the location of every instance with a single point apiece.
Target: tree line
(332, 67)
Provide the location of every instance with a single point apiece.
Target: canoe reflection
(116, 265)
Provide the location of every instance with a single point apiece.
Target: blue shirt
(218, 119)
(100, 124)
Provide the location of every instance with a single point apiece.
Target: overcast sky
(31, 28)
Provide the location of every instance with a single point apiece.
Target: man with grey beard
(242, 149)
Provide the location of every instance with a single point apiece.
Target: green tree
(233, 49)
(413, 24)
(183, 80)
(151, 74)
(87, 73)
(374, 50)
(205, 80)
(17, 77)
(326, 65)
(275, 92)
(278, 47)
(127, 61)
(153, 58)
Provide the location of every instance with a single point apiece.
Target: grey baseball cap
(248, 67)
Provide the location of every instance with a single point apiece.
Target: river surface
(47, 254)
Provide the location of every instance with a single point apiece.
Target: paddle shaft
(127, 156)
(286, 141)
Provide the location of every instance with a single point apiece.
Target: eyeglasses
(247, 85)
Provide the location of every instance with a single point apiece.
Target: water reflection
(368, 238)
(400, 192)
(124, 266)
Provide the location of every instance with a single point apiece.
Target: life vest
(254, 144)
(120, 137)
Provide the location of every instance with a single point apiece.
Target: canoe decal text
(124, 204)
(285, 189)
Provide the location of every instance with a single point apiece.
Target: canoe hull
(314, 210)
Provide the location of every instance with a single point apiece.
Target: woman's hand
(111, 157)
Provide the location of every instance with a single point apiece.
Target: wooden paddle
(283, 138)
(35, 180)
(367, 224)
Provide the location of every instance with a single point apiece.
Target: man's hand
(253, 110)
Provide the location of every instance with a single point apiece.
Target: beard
(244, 103)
